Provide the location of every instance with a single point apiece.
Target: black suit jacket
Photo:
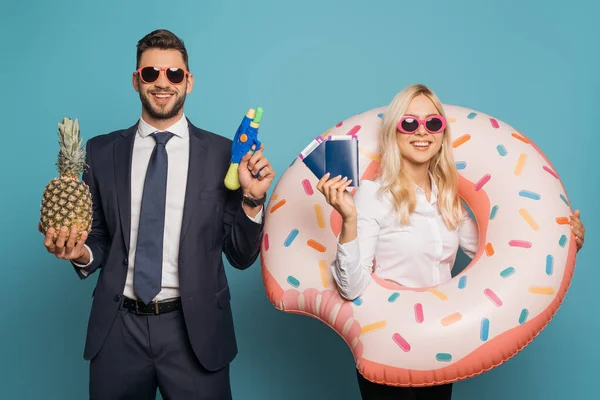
(214, 223)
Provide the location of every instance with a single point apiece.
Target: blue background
(532, 64)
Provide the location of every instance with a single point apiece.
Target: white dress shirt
(178, 150)
(418, 254)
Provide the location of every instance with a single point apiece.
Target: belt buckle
(137, 308)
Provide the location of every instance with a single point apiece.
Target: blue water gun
(245, 137)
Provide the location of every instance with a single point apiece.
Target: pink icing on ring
(493, 297)
(419, 317)
(401, 342)
(307, 187)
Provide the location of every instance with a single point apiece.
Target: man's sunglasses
(174, 75)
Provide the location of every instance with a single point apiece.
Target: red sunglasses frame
(422, 122)
(162, 70)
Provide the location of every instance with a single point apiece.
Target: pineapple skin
(66, 202)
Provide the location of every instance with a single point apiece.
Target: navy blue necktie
(149, 249)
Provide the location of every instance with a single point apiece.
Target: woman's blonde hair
(394, 178)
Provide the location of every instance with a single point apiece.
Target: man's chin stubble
(162, 115)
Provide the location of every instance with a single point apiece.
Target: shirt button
(117, 298)
(125, 261)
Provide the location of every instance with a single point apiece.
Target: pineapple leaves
(71, 157)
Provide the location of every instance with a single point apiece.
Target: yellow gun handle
(232, 181)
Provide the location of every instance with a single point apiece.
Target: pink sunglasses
(433, 124)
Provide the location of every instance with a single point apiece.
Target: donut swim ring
(479, 319)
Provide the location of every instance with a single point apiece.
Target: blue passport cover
(315, 159)
(338, 156)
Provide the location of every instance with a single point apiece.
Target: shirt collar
(179, 128)
(434, 189)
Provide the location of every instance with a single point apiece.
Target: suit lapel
(196, 170)
(123, 153)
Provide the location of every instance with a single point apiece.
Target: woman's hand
(337, 196)
(577, 228)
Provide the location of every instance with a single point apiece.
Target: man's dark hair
(164, 40)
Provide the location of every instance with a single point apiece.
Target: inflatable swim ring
(474, 322)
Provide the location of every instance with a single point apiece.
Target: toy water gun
(245, 137)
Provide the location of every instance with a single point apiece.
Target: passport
(337, 155)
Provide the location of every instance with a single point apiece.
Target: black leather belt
(159, 307)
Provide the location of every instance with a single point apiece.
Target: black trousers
(374, 391)
(143, 353)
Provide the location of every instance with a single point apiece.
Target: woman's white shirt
(418, 254)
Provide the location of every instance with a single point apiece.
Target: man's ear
(190, 84)
(135, 82)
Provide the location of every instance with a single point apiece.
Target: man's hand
(255, 174)
(67, 248)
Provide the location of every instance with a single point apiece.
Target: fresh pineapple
(67, 201)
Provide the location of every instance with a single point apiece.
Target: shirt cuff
(258, 218)
(91, 259)
(347, 250)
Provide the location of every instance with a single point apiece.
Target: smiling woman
(421, 119)
(416, 149)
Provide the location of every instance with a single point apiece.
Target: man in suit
(162, 219)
